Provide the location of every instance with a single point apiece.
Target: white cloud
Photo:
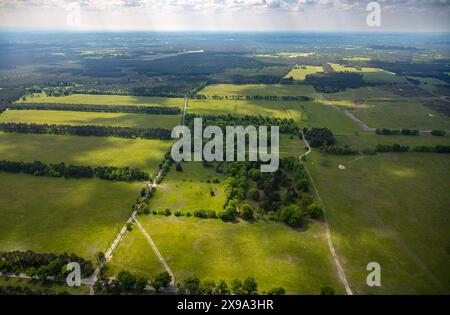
(227, 14)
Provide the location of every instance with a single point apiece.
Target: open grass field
(306, 114)
(299, 73)
(380, 108)
(341, 68)
(188, 190)
(273, 253)
(291, 145)
(62, 215)
(88, 118)
(391, 209)
(105, 100)
(135, 255)
(258, 89)
(406, 114)
(95, 151)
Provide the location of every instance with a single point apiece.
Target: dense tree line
(394, 132)
(125, 283)
(98, 131)
(41, 265)
(318, 137)
(335, 150)
(286, 125)
(22, 290)
(37, 168)
(154, 110)
(438, 133)
(194, 286)
(298, 98)
(335, 81)
(399, 148)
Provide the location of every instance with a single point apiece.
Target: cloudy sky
(223, 15)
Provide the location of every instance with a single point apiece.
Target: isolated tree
(293, 216)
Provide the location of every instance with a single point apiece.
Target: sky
(224, 15)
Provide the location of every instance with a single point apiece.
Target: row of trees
(399, 148)
(298, 98)
(98, 131)
(41, 265)
(38, 168)
(286, 125)
(125, 283)
(248, 286)
(394, 132)
(138, 109)
(22, 290)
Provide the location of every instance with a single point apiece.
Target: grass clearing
(391, 209)
(135, 255)
(258, 89)
(273, 253)
(188, 190)
(341, 68)
(58, 215)
(306, 114)
(105, 100)
(88, 118)
(95, 151)
(299, 73)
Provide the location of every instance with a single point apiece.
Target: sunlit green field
(379, 108)
(341, 68)
(135, 255)
(258, 89)
(299, 73)
(88, 118)
(391, 209)
(189, 190)
(273, 253)
(306, 114)
(105, 100)
(58, 215)
(93, 151)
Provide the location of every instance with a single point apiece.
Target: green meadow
(105, 100)
(89, 118)
(391, 209)
(135, 255)
(189, 190)
(306, 114)
(55, 287)
(95, 151)
(299, 73)
(274, 254)
(58, 215)
(258, 89)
